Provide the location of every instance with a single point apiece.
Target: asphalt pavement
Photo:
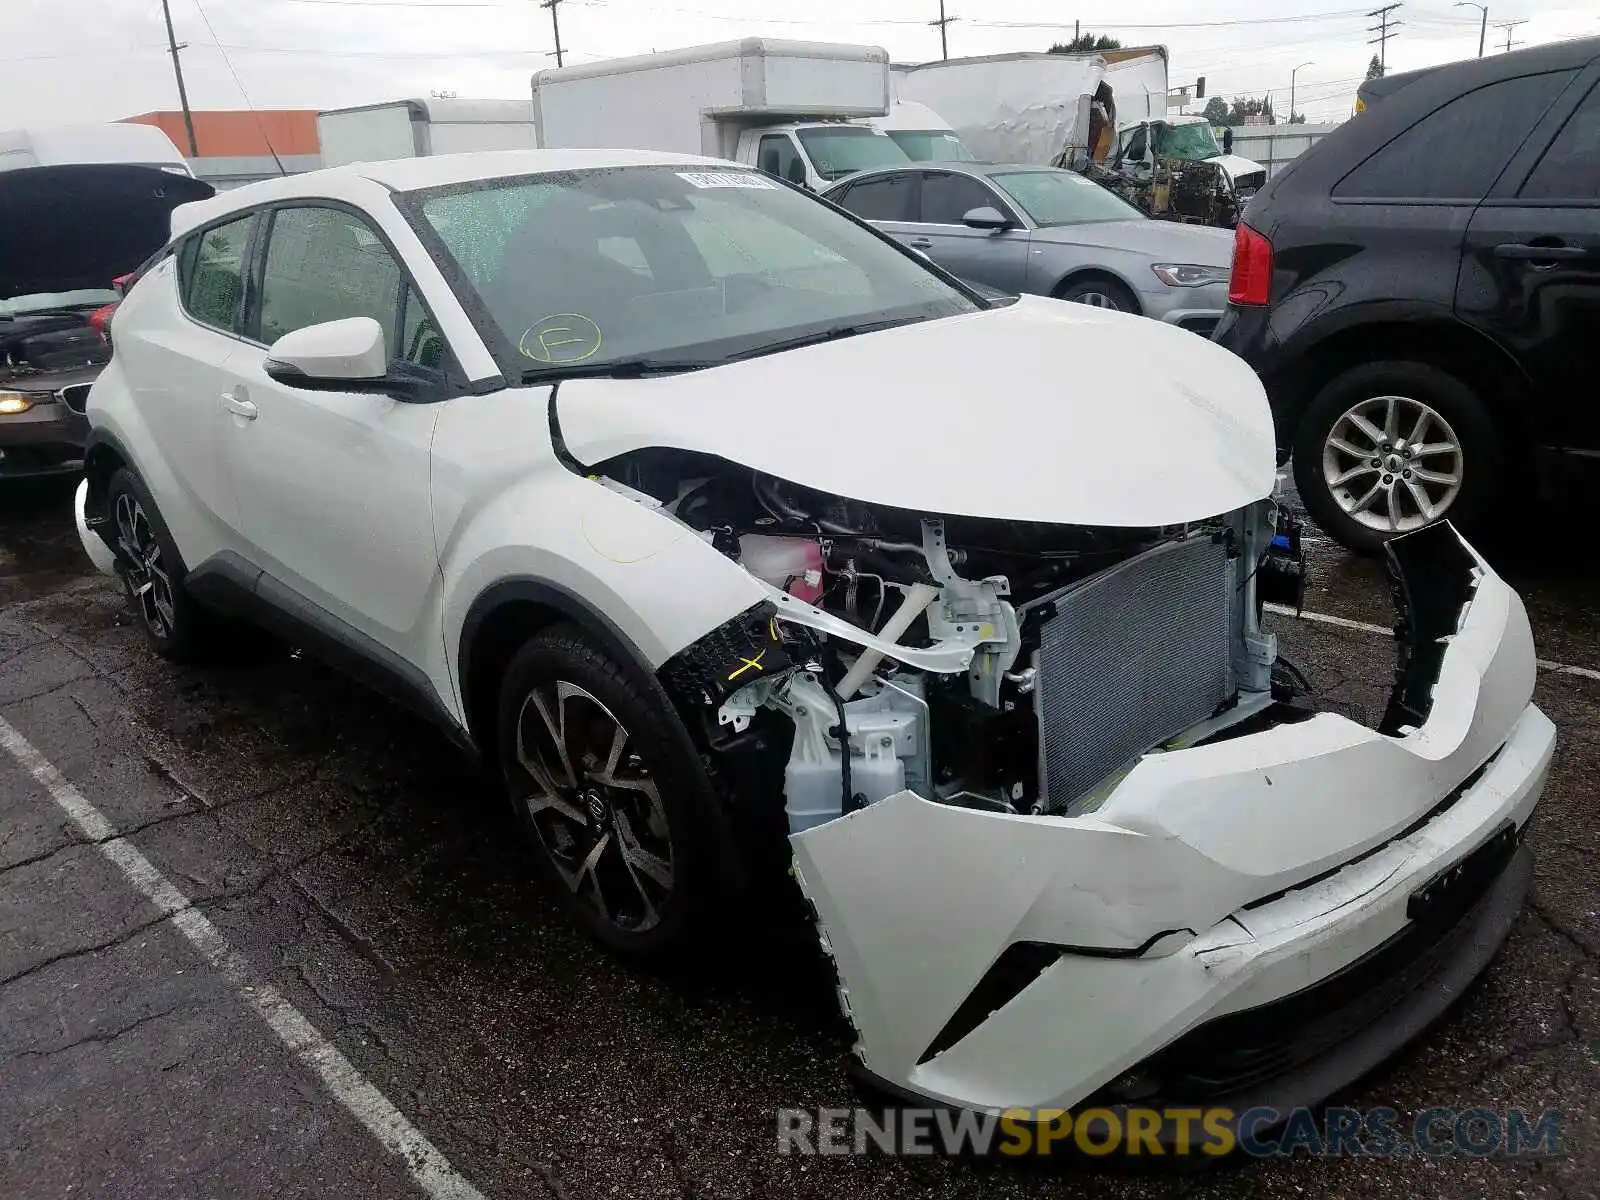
(351, 987)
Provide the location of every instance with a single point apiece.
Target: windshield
(1063, 198)
(840, 150)
(664, 265)
(18, 306)
(931, 145)
(1195, 142)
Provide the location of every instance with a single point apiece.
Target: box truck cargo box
(418, 128)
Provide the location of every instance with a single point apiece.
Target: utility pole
(1483, 23)
(943, 23)
(1382, 29)
(1508, 27)
(1292, 74)
(173, 46)
(555, 25)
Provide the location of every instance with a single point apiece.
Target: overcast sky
(69, 60)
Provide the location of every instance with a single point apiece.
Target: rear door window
(1570, 168)
(886, 199)
(211, 272)
(1457, 151)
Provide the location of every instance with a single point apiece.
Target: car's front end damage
(1072, 831)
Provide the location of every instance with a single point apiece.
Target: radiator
(1130, 658)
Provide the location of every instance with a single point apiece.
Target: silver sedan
(1050, 232)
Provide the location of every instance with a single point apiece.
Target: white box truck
(783, 107)
(114, 142)
(1106, 116)
(418, 128)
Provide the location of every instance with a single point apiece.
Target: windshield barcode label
(733, 179)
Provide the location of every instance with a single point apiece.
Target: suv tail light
(1251, 279)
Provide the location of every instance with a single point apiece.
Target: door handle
(1533, 252)
(240, 408)
(921, 243)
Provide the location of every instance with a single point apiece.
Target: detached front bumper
(992, 961)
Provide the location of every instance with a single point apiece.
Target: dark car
(1420, 294)
(66, 233)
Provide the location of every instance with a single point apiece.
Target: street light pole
(1483, 25)
(1292, 74)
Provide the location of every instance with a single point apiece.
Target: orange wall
(237, 134)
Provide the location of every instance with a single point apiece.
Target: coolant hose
(918, 597)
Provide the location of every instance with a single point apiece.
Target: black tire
(679, 828)
(1480, 464)
(152, 574)
(1100, 291)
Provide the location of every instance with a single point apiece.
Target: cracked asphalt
(361, 868)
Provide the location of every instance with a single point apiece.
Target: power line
(1324, 16)
(1508, 26)
(1382, 29)
(248, 103)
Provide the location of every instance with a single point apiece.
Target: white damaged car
(718, 522)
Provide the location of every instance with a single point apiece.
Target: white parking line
(1362, 626)
(432, 1171)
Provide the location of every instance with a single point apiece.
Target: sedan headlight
(12, 403)
(1189, 275)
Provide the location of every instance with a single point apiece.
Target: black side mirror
(986, 217)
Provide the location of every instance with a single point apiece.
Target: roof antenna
(248, 103)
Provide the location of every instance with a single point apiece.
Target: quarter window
(1457, 151)
(211, 270)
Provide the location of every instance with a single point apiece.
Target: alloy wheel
(1392, 463)
(595, 806)
(1097, 300)
(140, 557)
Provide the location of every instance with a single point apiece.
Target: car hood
(1039, 411)
(70, 227)
(1160, 241)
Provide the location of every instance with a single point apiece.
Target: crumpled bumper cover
(991, 961)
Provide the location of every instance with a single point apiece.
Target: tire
(1099, 291)
(152, 574)
(1459, 483)
(648, 794)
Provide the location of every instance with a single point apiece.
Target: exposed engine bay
(1014, 667)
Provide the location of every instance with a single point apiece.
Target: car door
(997, 257)
(334, 486)
(1531, 269)
(174, 344)
(889, 201)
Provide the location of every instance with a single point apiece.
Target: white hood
(1236, 166)
(1040, 411)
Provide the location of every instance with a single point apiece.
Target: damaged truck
(737, 538)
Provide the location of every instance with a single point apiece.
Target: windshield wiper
(832, 334)
(628, 368)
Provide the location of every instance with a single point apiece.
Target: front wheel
(1100, 292)
(1389, 447)
(615, 802)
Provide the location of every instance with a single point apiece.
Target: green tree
(1375, 68)
(1248, 106)
(1216, 111)
(1086, 43)
(1297, 118)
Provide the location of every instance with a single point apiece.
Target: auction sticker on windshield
(734, 179)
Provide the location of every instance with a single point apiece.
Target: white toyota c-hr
(714, 519)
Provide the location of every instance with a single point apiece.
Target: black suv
(1420, 293)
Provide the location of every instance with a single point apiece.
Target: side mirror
(985, 218)
(336, 356)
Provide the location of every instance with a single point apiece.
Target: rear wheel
(153, 574)
(613, 798)
(1389, 447)
(1100, 291)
